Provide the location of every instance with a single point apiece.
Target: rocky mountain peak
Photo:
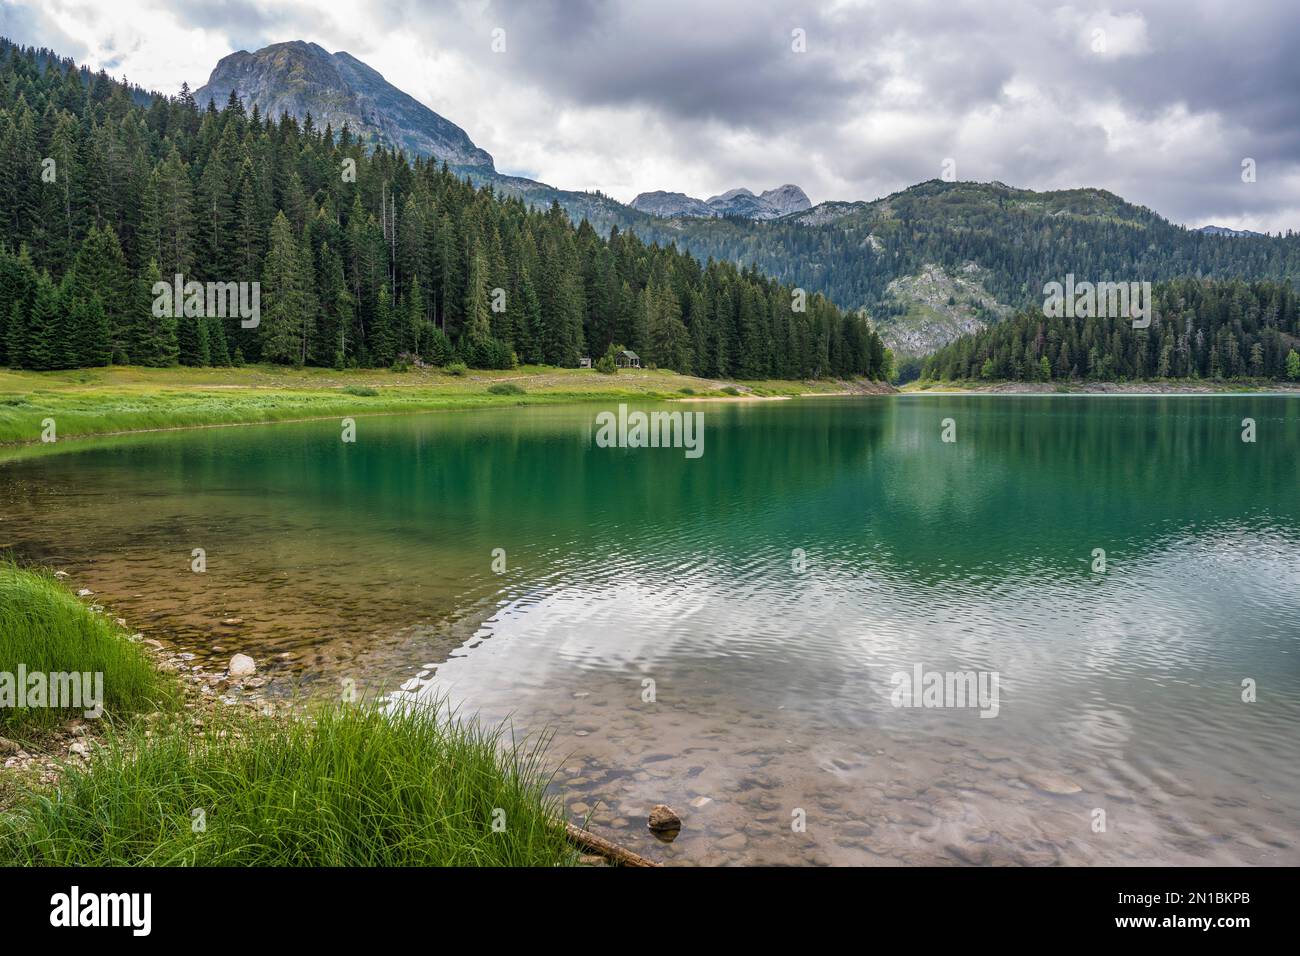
(298, 77)
(787, 199)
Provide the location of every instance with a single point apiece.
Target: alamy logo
(653, 430)
(944, 689)
(1102, 300)
(213, 300)
(74, 909)
(60, 690)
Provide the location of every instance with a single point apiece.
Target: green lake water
(722, 634)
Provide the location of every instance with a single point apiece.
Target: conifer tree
(381, 343)
(152, 338)
(36, 344)
(175, 213)
(192, 340)
(283, 299)
(91, 331)
(100, 269)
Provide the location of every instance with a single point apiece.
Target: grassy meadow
(104, 401)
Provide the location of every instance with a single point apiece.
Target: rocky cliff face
(786, 199)
(771, 204)
(935, 306)
(336, 88)
(670, 205)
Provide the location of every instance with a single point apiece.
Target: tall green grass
(46, 628)
(351, 786)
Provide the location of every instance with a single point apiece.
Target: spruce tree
(152, 338)
(38, 346)
(17, 347)
(100, 269)
(381, 343)
(283, 299)
(192, 340)
(93, 346)
(218, 348)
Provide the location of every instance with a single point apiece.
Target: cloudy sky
(1160, 102)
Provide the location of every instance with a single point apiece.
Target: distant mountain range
(928, 264)
(772, 204)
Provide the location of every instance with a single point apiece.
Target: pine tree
(283, 296)
(15, 341)
(192, 340)
(218, 348)
(310, 302)
(670, 340)
(175, 215)
(413, 320)
(93, 343)
(152, 338)
(37, 345)
(17, 290)
(478, 326)
(100, 269)
(530, 321)
(383, 350)
(331, 342)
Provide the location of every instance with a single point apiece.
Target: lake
(731, 634)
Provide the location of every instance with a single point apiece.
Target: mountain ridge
(298, 77)
(740, 202)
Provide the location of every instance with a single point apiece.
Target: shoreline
(118, 401)
(123, 400)
(78, 758)
(1100, 388)
(198, 697)
(732, 398)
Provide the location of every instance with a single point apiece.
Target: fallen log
(586, 840)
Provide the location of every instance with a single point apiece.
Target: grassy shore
(105, 401)
(351, 786)
(45, 630)
(168, 777)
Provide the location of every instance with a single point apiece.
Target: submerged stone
(664, 819)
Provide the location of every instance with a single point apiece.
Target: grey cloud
(32, 28)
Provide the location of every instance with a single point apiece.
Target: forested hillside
(1200, 330)
(1017, 238)
(369, 264)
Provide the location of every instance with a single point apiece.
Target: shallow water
(770, 591)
